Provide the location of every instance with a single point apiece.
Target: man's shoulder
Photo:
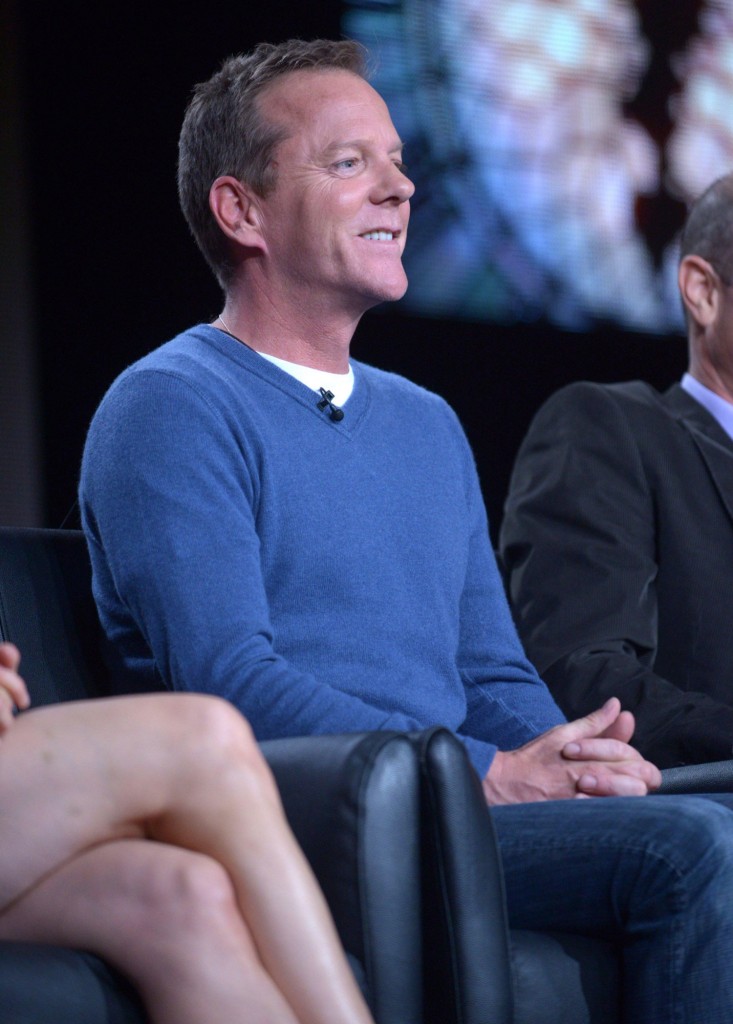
(187, 377)
(631, 392)
(198, 360)
(591, 401)
(187, 352)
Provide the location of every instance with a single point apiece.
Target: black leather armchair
(353, 802)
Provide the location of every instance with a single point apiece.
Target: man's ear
(236, 210)
(700, 289)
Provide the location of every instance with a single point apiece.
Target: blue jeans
(655, 872)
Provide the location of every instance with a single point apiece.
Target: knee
(228, 736)
(215, 732)
(702, 824)
(698, 840)
(221, 744)
(186, 897)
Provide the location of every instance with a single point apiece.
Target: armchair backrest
(47, 609)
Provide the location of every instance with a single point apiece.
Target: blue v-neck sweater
(323, 576)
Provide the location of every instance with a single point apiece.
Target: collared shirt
(715, 405)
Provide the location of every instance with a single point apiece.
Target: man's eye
(348, 164)
(402, 168)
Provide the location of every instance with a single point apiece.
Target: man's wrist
(491, 780)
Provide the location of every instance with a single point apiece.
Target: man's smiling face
(335, 223)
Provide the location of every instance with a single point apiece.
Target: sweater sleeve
(507, 702)
(168, 505)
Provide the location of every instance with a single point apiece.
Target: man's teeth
(378, 236)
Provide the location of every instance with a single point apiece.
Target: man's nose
(394, 184)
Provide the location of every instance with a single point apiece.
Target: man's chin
(383, 291)
(393, 290)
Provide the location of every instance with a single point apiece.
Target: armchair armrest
(353, 802)
(712, 777)
(467, 965)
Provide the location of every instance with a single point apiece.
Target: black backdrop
(115, 272)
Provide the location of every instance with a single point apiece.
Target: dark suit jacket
(617, 545)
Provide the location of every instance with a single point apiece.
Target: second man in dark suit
(617, 539)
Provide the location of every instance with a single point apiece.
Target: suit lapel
(714, 445)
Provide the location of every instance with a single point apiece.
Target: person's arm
(579, 549)
(507, 704)
(540, 757)
(13, 692)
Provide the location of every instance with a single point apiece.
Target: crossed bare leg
(149, 830)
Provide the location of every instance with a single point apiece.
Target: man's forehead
(322, 98)
(287, 88)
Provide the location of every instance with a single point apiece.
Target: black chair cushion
(49, 985)
(564, 979)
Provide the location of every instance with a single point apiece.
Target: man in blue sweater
(274, 522)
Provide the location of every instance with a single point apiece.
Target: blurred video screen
(555, 147)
